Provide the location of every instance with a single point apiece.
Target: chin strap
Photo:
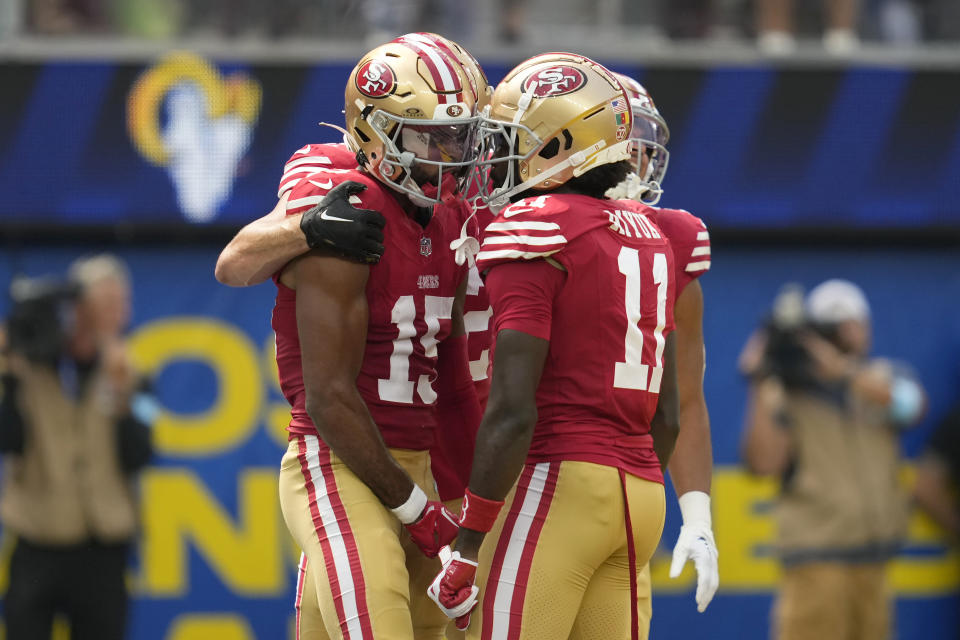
(578, 158)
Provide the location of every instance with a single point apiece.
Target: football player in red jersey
(692, 463)
(357, 348)
(265, 245)
(583, 396)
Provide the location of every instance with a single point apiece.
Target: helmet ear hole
(361, 134)
(550, 149)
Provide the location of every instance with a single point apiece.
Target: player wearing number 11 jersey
(582, 413)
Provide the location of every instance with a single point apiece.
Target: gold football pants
(366, 578)
(557, 563)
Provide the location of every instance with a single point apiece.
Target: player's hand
(696, 543)
(336, 224)
(435, 528)
(453, 589)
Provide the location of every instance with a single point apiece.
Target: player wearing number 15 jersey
(582, 405)
(357, 348)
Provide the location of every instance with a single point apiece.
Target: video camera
(785, 355)
(40, 318)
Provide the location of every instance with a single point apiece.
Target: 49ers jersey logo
(554, 81)
(375, 79)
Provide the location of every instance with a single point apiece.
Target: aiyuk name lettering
(632, 224)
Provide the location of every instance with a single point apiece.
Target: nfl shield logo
(426, 247)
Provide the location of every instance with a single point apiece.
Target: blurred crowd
(775, 25)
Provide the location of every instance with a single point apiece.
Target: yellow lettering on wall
(745, 529)
(232, 356)
(246, 555)
(199, 626)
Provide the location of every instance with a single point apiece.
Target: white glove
(696, 543)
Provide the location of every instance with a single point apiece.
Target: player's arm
(265, 245)
(332, 317)
(665, 425)
(261, 248)
(691, 466)
(521, 294)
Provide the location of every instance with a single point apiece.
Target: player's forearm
(259, 250)
(691, 465)
(344, 423)
(503, 441)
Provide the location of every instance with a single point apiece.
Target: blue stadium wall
(214, 556)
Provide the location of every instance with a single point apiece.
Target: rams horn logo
(183, 115)
(375, 79)
(554, 81)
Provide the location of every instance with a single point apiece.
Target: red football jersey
(312, 158)
(608, 320)
(688, 237)
(410, 295)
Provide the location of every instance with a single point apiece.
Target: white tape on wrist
(410, 510)
(695, 508)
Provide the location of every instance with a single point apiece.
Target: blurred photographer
(825, 419)
(73, 431)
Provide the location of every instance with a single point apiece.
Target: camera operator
(825, 419)
(74, 431)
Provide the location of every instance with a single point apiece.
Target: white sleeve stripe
(287, 186)
(530, 240)
(698, 266)
(304, 170)
(700, 251)
(513, 253)
(703, 235)
(300, 202)
(307, 160)
(527, 226)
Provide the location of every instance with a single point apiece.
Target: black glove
(336, 224)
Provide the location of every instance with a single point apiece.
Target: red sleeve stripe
(444, 76)
(701, 251)
(698, 266)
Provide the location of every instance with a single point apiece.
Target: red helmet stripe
(444, 75)
(430, 40)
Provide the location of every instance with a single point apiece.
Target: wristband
(410, 510)
(695, 508)
(479, 514)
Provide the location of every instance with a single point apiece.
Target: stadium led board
(188, 141)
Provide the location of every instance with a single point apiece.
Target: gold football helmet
(554, 117)
(411, 119)
(650, 156)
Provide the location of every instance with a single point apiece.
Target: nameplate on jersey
(631, 224)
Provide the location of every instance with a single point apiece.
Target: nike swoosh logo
(513, 212)
(322, 185)
(324, 216)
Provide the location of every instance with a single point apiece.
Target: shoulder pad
(526, 230)
(310, 190)
(311, 158)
